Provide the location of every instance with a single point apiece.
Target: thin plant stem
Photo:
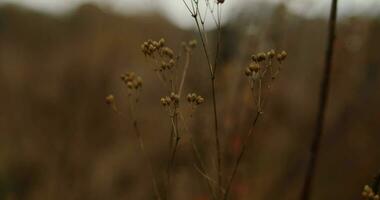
(323, 98)
(143, 149)
(212, 74)
(184, 73)
(241, 154)
(201, 166)
(174, 121)
(212, 77)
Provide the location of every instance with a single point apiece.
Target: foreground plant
(166, 63)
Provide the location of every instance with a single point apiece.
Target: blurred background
(59, 59)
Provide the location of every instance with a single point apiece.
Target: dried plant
(263, 69)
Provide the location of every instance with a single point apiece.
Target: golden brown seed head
(130, 85)
(271, 54)
(199, 100)
(171, 63)
(254, 67)
(168, 100)
(161, 42)
(189, 97)
(110, 99)
(261, 57)
(247, 72)
(254, 58)
(163, 101)
(166, 51)
(139, 81)
(193, 43)
(284, 54)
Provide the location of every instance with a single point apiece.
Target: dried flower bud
(254, 67)
(171, 63)
(110, 99)
(168, 100)
(254, 58)
(193, 43)
(167, 52)
(261, 57)
(282, 56)
(199, 100)
(271, 54)
(130, 85)
(161, 42)
(139, 81)
(174, 97)
(188, 97)
(220, 1)
(247, 72)
(163, 101)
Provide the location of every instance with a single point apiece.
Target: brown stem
(212, 77)
(176, 138)
(240, 156)
(142, 146)
(201, 166)
(185, 68)
(323, 97)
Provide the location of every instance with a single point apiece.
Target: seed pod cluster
(189, 46)
(150, 47)
(167, 65)
(195, 99)
(132, 81)
(252, 69)
(281, 56)
(369, 194)
(260, 57)
(173, 99)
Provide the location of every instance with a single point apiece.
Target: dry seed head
(161, 42)
(163, 101)
(368, 193)
(110, 99)
(189, 97)
(254, 67)
(168, 100)
(168, 52)
(248, 72)
(194, 99)
(271, 54)
(282, 56)
(174, 97)
(193, 43)
(220, 1)
(254, 58)
(199, 100)
(171, 63)
(130, 85)
(261, 57)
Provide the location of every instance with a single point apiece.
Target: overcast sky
(175, 10)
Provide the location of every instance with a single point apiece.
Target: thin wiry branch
(143, 149)
(240, 156)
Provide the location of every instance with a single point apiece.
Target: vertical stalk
(323, 97)
(212, 77)
(240, 156)
(142, 147)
